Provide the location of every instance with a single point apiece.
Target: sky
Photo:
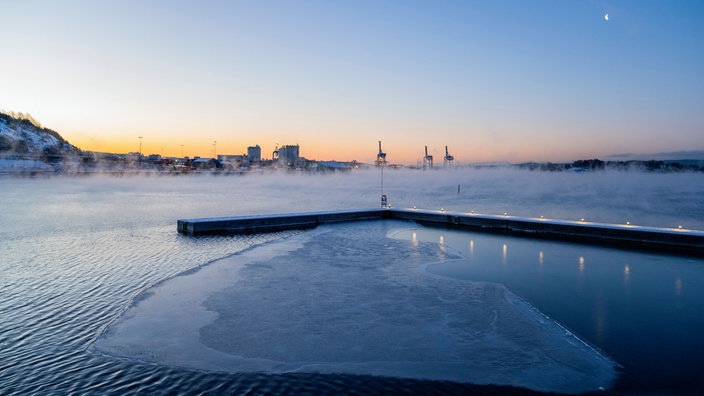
(492, 80)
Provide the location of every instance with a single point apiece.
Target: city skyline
(494, 81)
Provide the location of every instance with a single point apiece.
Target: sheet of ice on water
(349, 299)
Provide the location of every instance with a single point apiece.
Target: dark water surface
(74, 252)
(642, 309)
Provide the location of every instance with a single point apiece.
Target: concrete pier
(622, 235)
(276, 222)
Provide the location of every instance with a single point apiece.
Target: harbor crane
(380, 157)
(428, 159)
(448, 158)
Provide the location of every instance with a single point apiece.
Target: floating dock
(275, 222)
(675, 240)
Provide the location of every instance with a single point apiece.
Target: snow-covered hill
(28, 148)
(21, 137)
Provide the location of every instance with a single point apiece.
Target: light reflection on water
(642, 309)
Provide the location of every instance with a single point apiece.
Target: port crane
(380, 157)
(428, 159)
(448, 158)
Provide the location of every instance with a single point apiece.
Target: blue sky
(493, 80)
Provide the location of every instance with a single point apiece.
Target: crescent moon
(606, 17)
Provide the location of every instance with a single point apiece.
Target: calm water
(74, 252)
(643, 310)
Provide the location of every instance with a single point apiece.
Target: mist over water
(649, 199)
(76, 250)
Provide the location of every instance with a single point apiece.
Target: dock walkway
(675, 240)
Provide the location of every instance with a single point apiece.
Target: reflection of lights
(540, 257)
(678, 286)
(600, 309)
(581, 264)
(504, 250)
(442, 239)
(414, 239)
(627, 270)
(471, 246)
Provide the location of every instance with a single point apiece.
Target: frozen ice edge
(165, 326)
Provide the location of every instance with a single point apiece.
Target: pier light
(581, 220)
(542, 217)
(471, 212)
(442, 210)
(679, 227)
(628, 223)
(414, 207)
(505, 214)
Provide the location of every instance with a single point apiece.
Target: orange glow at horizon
(347, 149)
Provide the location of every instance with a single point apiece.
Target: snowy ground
(349, 298)
(12, 165)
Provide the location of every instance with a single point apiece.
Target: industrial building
(254, 154)
(287, 155)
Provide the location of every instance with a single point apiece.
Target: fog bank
(648, 199)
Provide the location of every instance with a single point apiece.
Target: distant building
(287, 155)
(254, 154)
(235, 160)
(331, 166)
(205, 163)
